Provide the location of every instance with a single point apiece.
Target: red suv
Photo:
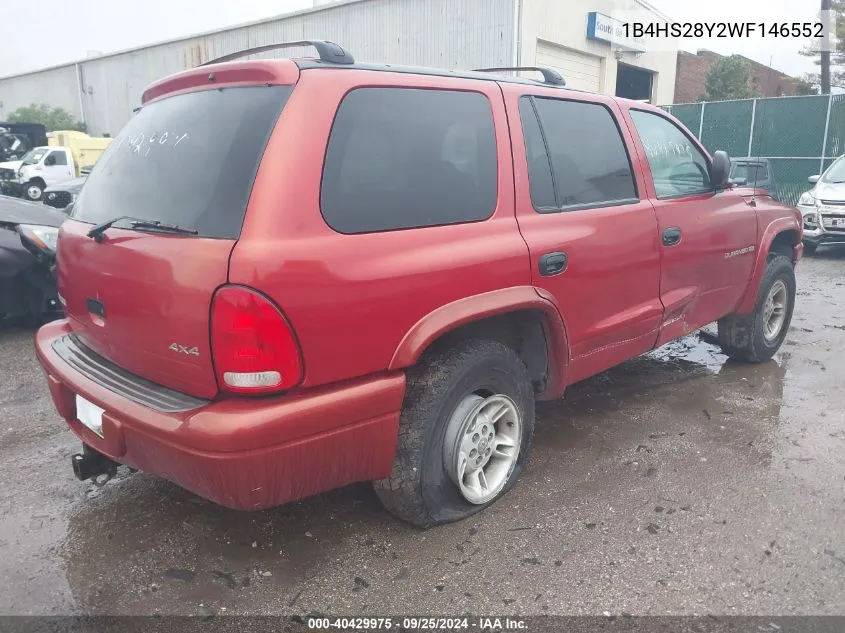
(284, 276)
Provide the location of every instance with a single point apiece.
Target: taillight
(253, 346)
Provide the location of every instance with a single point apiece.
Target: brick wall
(692, 72)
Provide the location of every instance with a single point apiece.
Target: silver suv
(823, 208)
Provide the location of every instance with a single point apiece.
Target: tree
(729, 78)
(837, 55)
(807, 85)
(51, 118)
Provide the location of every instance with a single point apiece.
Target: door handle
(553, 263)
(671, 236)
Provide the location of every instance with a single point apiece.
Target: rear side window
(540, 178)
(189, 159)
(576, 156)
(401, 158)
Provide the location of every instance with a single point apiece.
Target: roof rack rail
(550, 75)
(328, 52)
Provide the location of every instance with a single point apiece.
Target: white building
(570, 35)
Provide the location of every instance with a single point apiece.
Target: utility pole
(825, 59)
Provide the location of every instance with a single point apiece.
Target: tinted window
(677, 166)
(590, 165)
(539, 169)
(189, 159)
(59, 158)
(401, 158)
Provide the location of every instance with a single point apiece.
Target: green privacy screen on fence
(799, 135)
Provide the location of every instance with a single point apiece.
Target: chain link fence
(799, 135)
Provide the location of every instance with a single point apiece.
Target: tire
(744, 337)
(449, 385)
(33, 191)
(810, 248)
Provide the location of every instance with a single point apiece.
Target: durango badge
(741, 251)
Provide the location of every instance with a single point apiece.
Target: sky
(79, 28)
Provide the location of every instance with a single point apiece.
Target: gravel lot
(678, 483)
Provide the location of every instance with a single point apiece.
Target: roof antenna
(753, 201)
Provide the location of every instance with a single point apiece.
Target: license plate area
(90, 415)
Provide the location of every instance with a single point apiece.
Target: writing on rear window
(141, 143)
(189, 159)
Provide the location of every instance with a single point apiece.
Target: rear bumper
(241, 453)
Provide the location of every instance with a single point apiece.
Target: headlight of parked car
(807, 199)
(45, 238)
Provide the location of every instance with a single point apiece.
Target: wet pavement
(678, 483)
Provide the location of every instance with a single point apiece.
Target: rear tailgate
(142, 297)
(142, 301)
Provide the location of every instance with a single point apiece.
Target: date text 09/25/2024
(724, 29)
(480, 624)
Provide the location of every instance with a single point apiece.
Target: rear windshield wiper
(97, 232)
(162, 226)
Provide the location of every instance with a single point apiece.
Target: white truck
(64, 157)
(39, 168)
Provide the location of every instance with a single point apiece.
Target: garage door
(580, 70)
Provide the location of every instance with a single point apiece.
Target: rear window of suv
(189, 159)
(401, 158)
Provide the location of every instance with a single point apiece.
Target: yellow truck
(86, 150)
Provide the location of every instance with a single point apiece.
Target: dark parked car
(28, 235)
(60, 196)
(754, 172)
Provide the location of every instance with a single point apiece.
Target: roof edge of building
(124, 51)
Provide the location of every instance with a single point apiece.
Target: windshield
(751, 172)
(34, 155)
(188, 160)
(836, 172)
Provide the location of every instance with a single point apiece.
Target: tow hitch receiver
(90, 464)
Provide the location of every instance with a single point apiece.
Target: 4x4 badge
(192, 351)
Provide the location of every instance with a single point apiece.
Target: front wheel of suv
(464, 433)
(757, 336)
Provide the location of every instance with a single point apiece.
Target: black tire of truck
(420, 490)
(742, 337)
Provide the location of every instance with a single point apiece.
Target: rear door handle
(553, 263)
(671, 236)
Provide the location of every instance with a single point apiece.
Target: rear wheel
(757, 336)
(464, 434)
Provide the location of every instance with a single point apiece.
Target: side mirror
(813, 179)
(719, 169)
